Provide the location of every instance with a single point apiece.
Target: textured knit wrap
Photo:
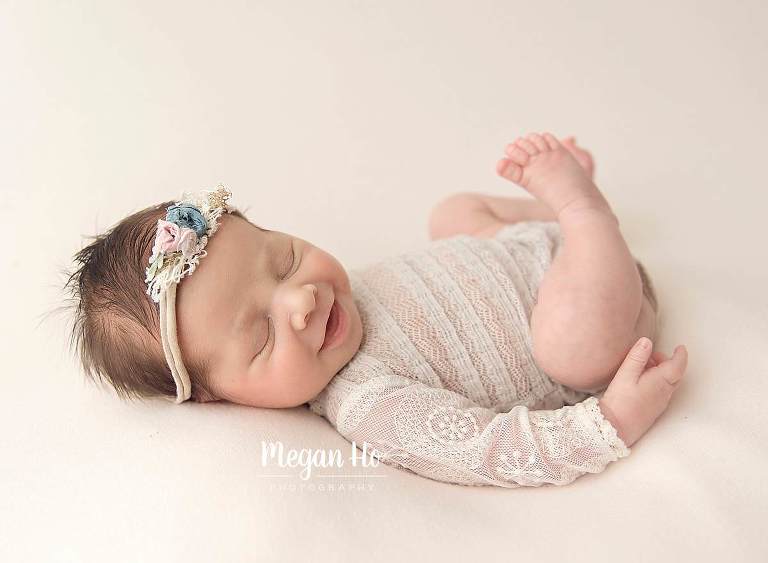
(444, 383)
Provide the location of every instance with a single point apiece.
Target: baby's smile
(336, 327)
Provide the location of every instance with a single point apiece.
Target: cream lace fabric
(444, 383)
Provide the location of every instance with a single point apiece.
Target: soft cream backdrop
(345, 122)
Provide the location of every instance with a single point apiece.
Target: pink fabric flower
(186, 241)
(165, 238)
(171, 238)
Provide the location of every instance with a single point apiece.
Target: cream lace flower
(449, 424)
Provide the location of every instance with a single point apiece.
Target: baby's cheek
(297, 371)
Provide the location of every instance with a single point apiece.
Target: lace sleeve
(444, 436)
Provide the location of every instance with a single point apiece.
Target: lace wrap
(444, 383)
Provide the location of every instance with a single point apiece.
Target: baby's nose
(300, 319)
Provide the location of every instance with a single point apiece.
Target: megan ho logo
(275, 454)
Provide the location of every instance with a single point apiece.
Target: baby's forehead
(245, 251)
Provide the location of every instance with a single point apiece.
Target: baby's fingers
(674, 368)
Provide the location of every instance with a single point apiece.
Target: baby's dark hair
(116, 326)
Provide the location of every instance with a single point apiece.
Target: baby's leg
(589, 304)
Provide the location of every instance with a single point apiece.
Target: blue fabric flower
(187, 216)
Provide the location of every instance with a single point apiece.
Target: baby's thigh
(590, 364)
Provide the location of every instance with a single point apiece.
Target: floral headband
(179, 245)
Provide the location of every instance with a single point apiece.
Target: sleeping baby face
(258, 309)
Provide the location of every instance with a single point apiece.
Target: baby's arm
(444, 436)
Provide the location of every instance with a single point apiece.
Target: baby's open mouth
(333, 321)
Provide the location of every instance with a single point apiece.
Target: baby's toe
(539, 141)
(517, 155)
(509, 170)
(551, 140)
(527, 146)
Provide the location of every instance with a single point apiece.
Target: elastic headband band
(179, 245)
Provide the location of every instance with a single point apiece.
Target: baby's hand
(641, 389)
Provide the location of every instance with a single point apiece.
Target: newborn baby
(475, 360)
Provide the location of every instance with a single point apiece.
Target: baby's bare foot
(639, 394)
(549, 170)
